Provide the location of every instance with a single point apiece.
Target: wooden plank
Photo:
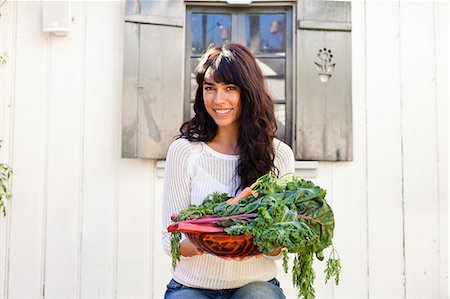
(324, 179)
(441, 48)
(384, 151)
(101, 149)
(134, 271)
(162, 263)
(130, 90)
(349, 180)
(7, 42)
(420, 170)
(28, 99)
(64, 134)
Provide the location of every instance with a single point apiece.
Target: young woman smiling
(225, 147)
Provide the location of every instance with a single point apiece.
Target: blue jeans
(254, 290)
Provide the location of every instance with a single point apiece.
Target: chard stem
(207, 220)
(310, 218)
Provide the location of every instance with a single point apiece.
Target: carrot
(244, 194)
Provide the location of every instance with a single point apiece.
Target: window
(302, 46)
(267, 32)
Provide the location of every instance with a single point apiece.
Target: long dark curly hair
(234, 64)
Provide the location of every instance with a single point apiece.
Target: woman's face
(222, 102)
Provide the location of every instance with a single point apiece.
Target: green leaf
(175, 238)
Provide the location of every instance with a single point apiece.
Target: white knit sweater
(192, 171)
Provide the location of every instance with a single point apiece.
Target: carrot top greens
(287, 212)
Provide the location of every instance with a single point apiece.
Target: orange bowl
(222, 244)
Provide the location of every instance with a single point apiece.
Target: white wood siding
(85, 223)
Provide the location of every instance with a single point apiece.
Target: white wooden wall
(85, 223)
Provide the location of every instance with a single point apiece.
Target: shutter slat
(321, 25)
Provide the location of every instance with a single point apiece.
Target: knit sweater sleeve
(176, 190)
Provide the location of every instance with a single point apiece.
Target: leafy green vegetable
(333, 267)
(287, 212)
(5, 176)
(175, 239)
(284, 251)
(303, 275)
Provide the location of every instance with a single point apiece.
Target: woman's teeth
(224, 111)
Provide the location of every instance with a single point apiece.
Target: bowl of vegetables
(287, 212)
(213, 239)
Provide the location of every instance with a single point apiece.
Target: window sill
(304, 169)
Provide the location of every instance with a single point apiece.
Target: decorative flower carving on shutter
(325, 64)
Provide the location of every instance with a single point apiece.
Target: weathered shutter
(152, 84)
(324, 97)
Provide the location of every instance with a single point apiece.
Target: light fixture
(56, 17)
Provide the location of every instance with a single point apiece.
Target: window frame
(238, 19)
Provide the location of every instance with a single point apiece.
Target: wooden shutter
(324, 97)
(152, 84)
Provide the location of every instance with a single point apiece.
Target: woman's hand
(276, 251)
(188, 249)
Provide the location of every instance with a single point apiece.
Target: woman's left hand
(276, 251)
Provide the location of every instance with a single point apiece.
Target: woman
(226, 146)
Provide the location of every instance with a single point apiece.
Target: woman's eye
(231, 88)
(208, 88)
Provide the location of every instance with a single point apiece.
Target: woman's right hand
(188, 249)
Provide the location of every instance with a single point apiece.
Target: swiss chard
(287, 212)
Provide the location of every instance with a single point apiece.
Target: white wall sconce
(56, 17)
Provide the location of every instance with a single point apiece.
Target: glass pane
(274, 70)
(191, 110)
(266, 33)
(194, 63)
(280, 114)
(193, 87)
(209, 29)
(132, 7)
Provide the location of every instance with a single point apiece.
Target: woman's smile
(222, 112)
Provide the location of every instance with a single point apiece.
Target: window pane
(132, 7)
(266, 33)
(274, 70)
(194, 63)
(280, 114)
(209, 29)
